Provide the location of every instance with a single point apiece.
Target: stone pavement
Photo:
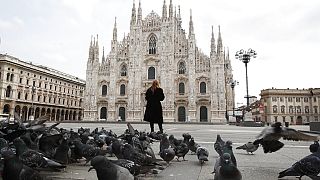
(259, 166)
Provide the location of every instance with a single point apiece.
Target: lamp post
(33, 90)
(245, 57)
(233, 84)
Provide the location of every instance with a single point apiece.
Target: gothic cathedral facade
(196, 86)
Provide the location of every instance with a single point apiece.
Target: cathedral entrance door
(122, 113)
(203, 114)
(181, 114)
(103, 113)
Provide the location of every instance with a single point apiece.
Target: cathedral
(196, 85)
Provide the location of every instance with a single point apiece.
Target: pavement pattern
(258, 166)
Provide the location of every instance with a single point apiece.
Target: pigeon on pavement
(218, 145)
(167, 154)
(105, 169)
(314, 147)
(193, 146)
(202, 154)
(269, 137)
(226, 169)
(307, 166)
(181, 151)
(249, 147)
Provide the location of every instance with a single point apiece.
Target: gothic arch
(182, 67)
(58, 115)
(24, 113)
(6, 109)
(37, 113)
(181, 88)
(53, 115)
(203, 88)
(8, 91)
(151, 73)
(104, 90)
(17, 110)
(152, 41)
(122, 89)
(43, 111)
(123, 69)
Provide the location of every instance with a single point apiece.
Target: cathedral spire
(97, 45)
(191, 30)
(170, 10)
(139, 12)
(164, 10)
(133, 15)
(115, 30)
(219, 46)
(103, 58)
(213, 44)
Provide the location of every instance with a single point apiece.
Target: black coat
(153, 111)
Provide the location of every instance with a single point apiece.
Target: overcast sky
(284, 33)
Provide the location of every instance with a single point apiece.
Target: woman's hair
(155, 85)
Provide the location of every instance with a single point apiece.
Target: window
(19, 95)
(306, 109)
(181, 88)
(182, 67)
(297, 99)
(152, 44)
(122, 90)
(20, 81)
(275, 109)
(8, 76)
(289, 99)
(315, 109)
(305, 99)
(26, 96)
(291, 119)
(34, 83)
(274, 99)
(39, 85)
(44, 98)
(123, 71)
(314, 99)
(281, 99)
(45, 86)
(104, 90)
(298, 109)
(8, 91)
(151, 73)
(275, 118)
(39, 98)
(291, 109)
(203, 88)
(282, 109)
(283, 119)
(27, 81)
(11, 77)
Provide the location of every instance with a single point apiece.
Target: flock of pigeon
(26, 148)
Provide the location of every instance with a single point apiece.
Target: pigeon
(314, 147)
(307, 166)
(193, 146)
(227, 148)
(269, 137)
(167, 154)
(218, 145)
(134, 168)
(226, 169)
(164, 143)
(47, 143)
(181, 150)
(202, 154)
(33, 158)
(249, 147)
(105, 169)
(63, 152)
(87, 151)
(14, 169)
(133, 155)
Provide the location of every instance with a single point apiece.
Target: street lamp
(33, 90)
(245, 56)
(233, 84)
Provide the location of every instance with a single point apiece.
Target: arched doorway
(62, 115)
(6, 109)
(17, 110)
(58, 115)
(24, 113)
(299, 120)
(43, 111)
(37, 113)
(122, 113)
(181, 114)
(80, 116)
(103, 113)
(49, 113)
(203, 114)
(74, 115)
(53, 115)
(66, 115)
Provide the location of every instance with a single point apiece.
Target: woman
(153, 113)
